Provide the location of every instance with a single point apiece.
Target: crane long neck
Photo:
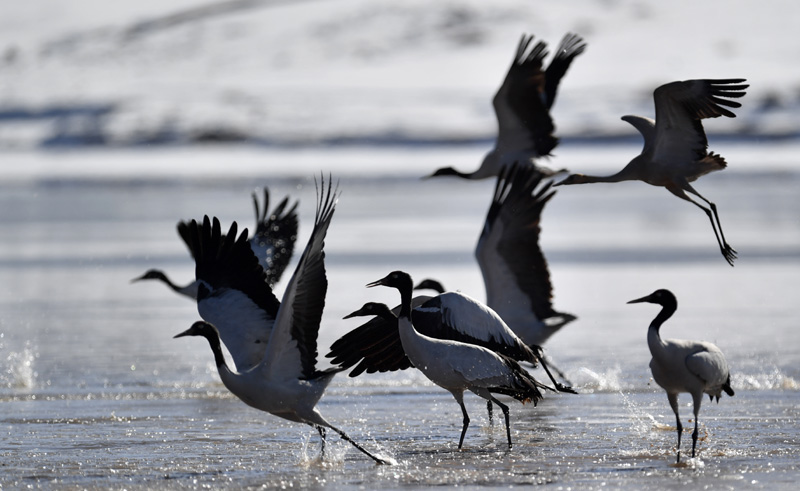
(666, 313)
(450, 171)
(618, 177)
(412, 341)
(164, 279)
(216, 348)
(189, 290)
(405, 302)
(630, 172)
(653, 337)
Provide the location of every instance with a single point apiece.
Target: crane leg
(465, 424)
(558, 372)
(489, 408)
(697, 401)
(673, 402)
(344, 436)
(505, 413)
(559, 387)
(727, 251)
(321, 430)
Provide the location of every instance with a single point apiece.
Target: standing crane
(457, 366)
(696, 367)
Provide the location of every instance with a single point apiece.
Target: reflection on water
(94, 392)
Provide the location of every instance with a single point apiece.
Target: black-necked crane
(375, 345)
(272, 243)
(456, 366)
(675, 149)
(284, 381)
(696, 367)
(522, 106)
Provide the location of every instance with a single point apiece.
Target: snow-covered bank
(133, 72)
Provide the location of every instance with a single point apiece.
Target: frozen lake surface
(95, 393)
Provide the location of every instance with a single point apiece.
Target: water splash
(310, 455)
(590, 381)
(690, 463)
(771, 380)
(19, 372)
(643, 422)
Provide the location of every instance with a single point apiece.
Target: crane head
(151, 274)
(661, 297)
(372, 308)
(199, 328)
(396, 279)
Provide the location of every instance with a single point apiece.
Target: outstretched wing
(274, 237)
(571, 46)
(680, 107)
(523, 120)
(233, 294)
(292, 348)
(514, 268)
(374, 346)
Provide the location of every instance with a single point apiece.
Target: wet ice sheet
(94, 392)
(623, 440)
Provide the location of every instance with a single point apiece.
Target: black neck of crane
(216, 348)
(666, 312)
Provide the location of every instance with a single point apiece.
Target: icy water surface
(95, 393)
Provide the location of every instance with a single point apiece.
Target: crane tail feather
(727, 387)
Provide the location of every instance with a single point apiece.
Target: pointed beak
(357, 313)
(375, 283)
(640, 300)
(352, 314)
(138, 278)
(184, 333)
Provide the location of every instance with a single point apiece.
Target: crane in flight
(675, 145)
(522, 106)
